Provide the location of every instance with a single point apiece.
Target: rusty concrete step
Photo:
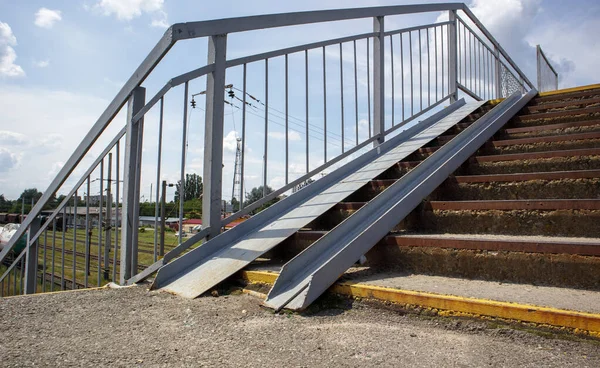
(556, 114)
(508, 205)
(553, 175)
(490, 242)
(537, 128)
(517, 204)
(547, 139)
(563, 103)
(563, 96)
(537, 155)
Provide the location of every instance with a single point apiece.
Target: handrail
(496, 44)
(183, 31)
(222, 27)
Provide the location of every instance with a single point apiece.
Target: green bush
(142, 229)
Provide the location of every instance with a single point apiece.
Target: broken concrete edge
(450, 305)
(569, 90)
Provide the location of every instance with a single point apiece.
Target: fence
(547, 77)
(302, 110)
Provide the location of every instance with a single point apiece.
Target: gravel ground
(129, 327)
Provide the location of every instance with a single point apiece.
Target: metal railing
(547, 76)
(325, 102)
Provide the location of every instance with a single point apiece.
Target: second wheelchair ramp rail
(222, 256)
(308, 275)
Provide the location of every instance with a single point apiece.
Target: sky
(62, 62)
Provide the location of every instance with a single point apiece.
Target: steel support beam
(131, 185)
(378, 81)
(213, 135)
(452, 57)
(31, 258)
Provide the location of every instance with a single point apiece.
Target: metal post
(452, 57)
(131, 184)
(498, 73)
(163, 204)
(31, 261)
(108, 227)
(213, 135)
(183, 153)
(539, 67)
(378, 81)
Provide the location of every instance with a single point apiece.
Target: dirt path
(128, 327)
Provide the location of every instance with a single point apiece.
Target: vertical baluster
(420, 74)
(436, 62)
(287, 129)
(459, 51)
(306, 106)
(368, 88)
(8, 283)
(243, 158)
(156, 197)
(53, 254)
(88, 234)
(44, 260)
(428, 70)
(410, 57)
(266, 126)
(324, 109)
(355, 91)
(108, 237)
(342, 95)
(62, 254)
(470, 62)
(100, 219)
(442, 56)
(182, 177)
(402, 75)
(22, 272)
(117, 221)
(393, 77)
(74, 270)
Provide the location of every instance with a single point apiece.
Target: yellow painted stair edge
(579, 321)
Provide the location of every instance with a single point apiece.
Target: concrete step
(550, 217)
(570, 103)
(592, 91)
(556, 115)
(537, 185)
(539, 260)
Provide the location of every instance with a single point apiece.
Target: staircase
(524, 209)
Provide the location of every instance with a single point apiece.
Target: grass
(54, 241)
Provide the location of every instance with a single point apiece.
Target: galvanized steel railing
(380, 82)
(547, 77)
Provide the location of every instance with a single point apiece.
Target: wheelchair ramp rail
(219, 258)
(308, 275)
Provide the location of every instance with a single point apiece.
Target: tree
(256, 194)
(193, 187)
(5, 204)
(235, 204)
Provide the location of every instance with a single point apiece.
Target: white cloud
(8, 160)
(9, 138)
(160, 21)
(230, 142)
(129, 9)
(41, 63)
(8, 68)
(46, 18)
(292, 135)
